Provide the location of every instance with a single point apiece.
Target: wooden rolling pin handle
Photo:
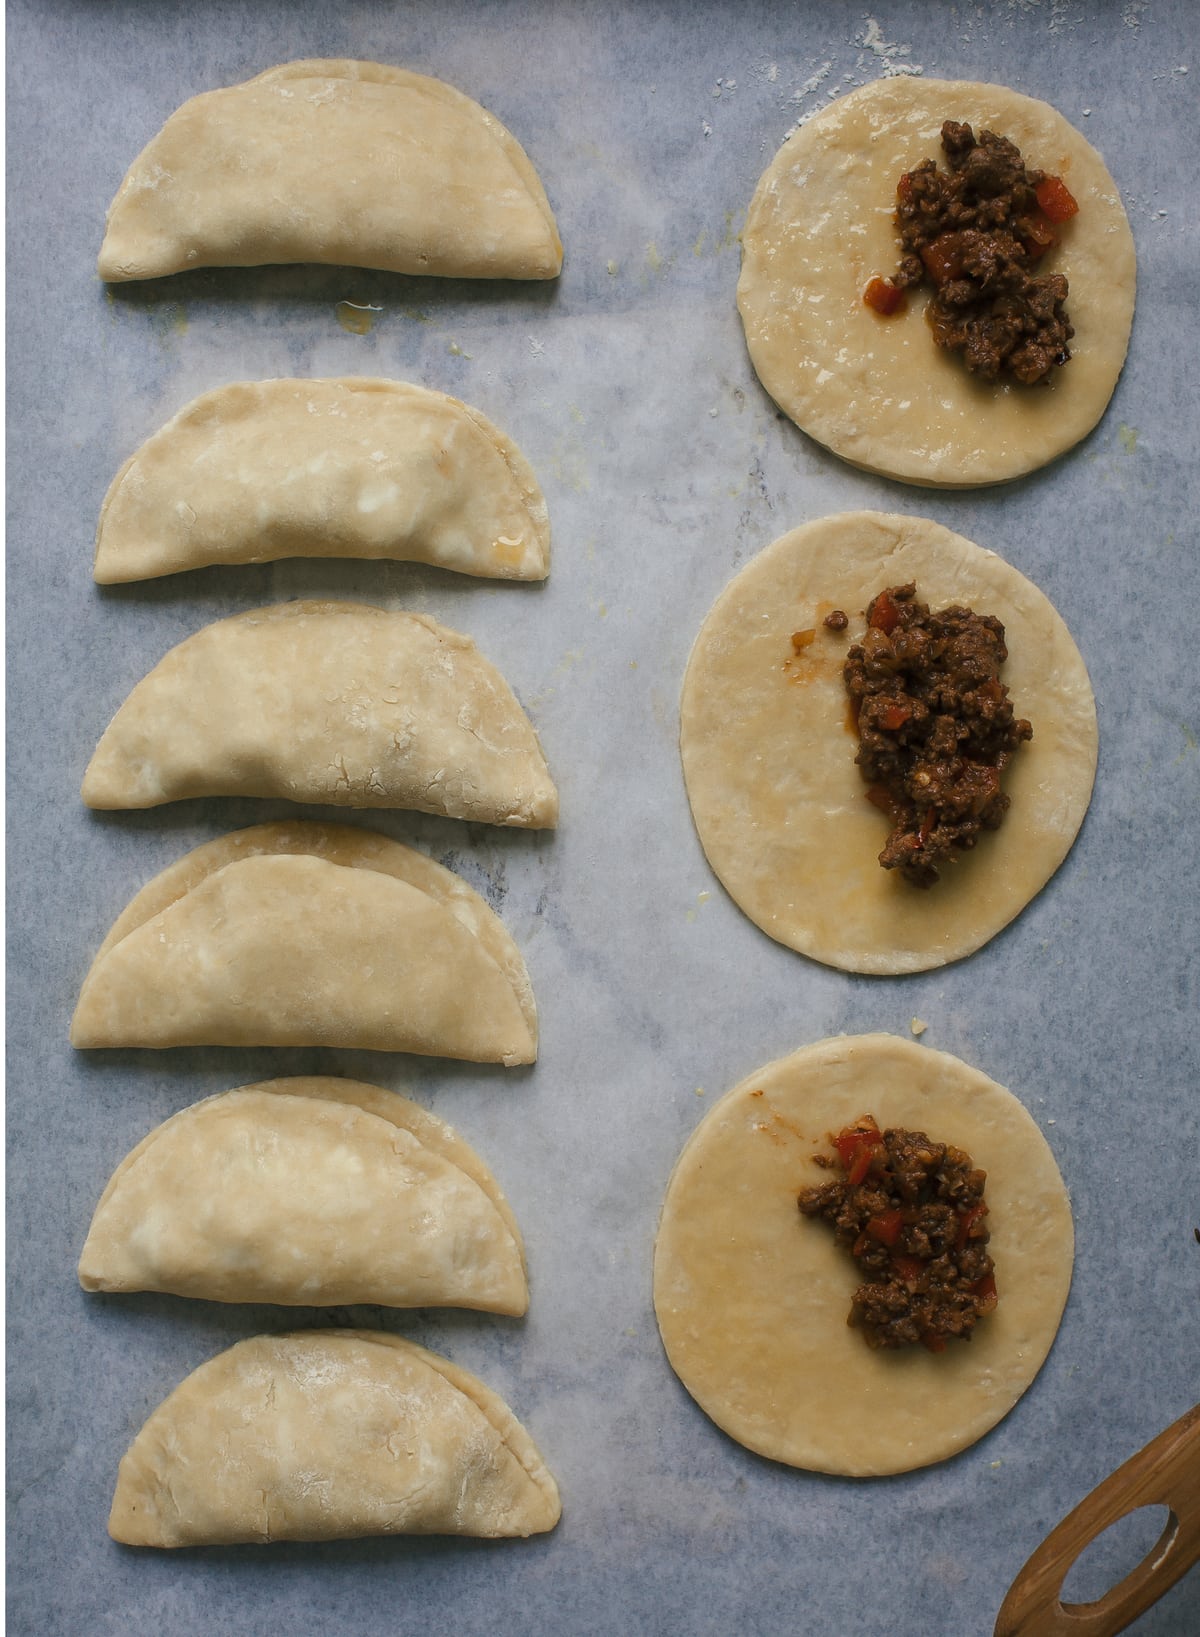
(1165, 1473)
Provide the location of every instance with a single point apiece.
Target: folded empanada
(327, 1434)
(338, 703)
(310, 935)
(350, 163)
(259, 470)
(308, 1192)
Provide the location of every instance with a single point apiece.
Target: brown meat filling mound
(911, 1213)
(935, 726)
(975, 231)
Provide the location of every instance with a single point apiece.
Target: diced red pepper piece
(883, 614)
(909, 1268)
(883, 297)
(1055, 199)
(943, 258)
(1037, 235)
(880, 796)
(857, 1146)
(886, 1226)
(904, 188)
(893, 717)
(846, 1142)
(927, 824)
(935, 1343)
(861, 1163)
(965, 1221)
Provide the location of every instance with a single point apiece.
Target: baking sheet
(665, 467)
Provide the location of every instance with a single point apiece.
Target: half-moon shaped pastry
(343, 704)
(768, 747)
(308, 1192)
(752, 1298)
(310, 935)
(350, 163)
(878, 391)
(324, 1435)
(259, 470)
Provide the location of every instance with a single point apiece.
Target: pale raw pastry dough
(259, 470)
(768, 748)
(305, 935)
(350, 163)
(308, 1192)
(877, 391)
(339, 703)
(324, 1435)
(752, 1298)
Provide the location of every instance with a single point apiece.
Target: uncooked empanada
(339, 703)
(310, 935)
(308, 1192)
(259, 470)
(351, 163)
(327, 1434)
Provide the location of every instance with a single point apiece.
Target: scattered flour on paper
(871, 39)
(813, 82)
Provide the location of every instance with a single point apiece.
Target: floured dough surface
(307, 1192)
(343, 704)
(324, 1435)
(355, 164)
(310, 934)
(878, 391)
(752, 1298)
(768, 747)
(260, 470)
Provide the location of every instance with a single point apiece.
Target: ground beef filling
(935, 726)
(977, 232)
(911, 1213)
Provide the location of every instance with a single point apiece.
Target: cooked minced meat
(911, 1213)
(977, 231)
(935, 726)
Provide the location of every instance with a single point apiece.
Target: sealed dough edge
(331, 703)
(310, 934)
(346, 466)
(752, 1299)
(335, 162)
(307, 1192)
(329, 1435)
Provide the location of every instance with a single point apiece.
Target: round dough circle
(768, 749)
(879, 392)
(752, 1298)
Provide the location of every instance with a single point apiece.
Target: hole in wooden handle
(1091, 1581)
